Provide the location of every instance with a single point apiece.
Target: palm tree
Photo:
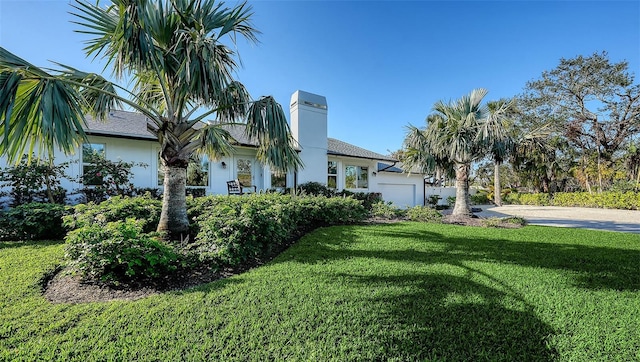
(459, 132)
(178, 54)
(501, 143)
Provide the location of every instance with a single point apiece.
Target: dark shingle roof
(340, 148)
(134, 125)
(120, 124)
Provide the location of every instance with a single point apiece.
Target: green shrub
(386, 210)
(512, 198)
(480, 198)
(424, 214)
(315, 189)
(610, 200)
(108, 178)
(118, 208)
(432, 200)
(33, 221)
(231, 230)
(534, 199)
(367, 198)
(451, 200)
(35, 181)
(119, 253)
(517, 220)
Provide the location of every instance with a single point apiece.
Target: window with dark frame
(332, 175)
(91, 176)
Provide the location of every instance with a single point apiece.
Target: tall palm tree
(181, 57)
(501, 143)
(460, 132)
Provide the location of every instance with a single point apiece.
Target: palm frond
(38, 111)
(214, 141)
(267, 123)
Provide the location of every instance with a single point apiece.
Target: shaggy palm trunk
(173, 219)
(497, 192)
(462, 207)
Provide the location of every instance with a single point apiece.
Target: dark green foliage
(107, 178)
(424, 214)
(367, 198)
(607, 200)
(432, 200)
(195, 192)
(318, 189)
(231, 230)
(315, 189)
(387, 211)
(35, 181)
(143, 208)
(33, 221)
(480, 198)
(534, 199)
(118, 252)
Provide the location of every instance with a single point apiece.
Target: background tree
(177, 53)
(592, 102)
(458, 132)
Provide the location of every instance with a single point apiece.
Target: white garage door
(402, 195)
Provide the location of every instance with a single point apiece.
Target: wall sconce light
(223, 164)
(374, 173)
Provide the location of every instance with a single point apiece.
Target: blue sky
(380, 64)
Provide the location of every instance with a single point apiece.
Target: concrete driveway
(575, 217)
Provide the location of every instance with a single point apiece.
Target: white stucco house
(332, 162)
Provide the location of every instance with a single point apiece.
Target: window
(91, 176)
(197, 171)
(332, 175)
(278, 180)
(356, 177)
(243, 170)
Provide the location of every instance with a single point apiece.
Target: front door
(244, 171)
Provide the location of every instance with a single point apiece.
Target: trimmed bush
(118, 208)
(386, 210)
(424, 214)
(608, 200)
(119, 253)
(367, 198)
(315, 189)
(232, 230)
(534, 199)
(33, 221)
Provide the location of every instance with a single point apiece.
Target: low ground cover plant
(387, 292)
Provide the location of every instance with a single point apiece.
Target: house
(332, 162)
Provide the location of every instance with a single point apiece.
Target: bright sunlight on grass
(406, 291)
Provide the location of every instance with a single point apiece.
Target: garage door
(402, 195)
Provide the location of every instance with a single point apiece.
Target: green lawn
(400, 292)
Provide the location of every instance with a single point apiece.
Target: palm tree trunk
(173, 219)
(497, 191)
(462, 207)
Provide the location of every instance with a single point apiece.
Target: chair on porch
(234, 187)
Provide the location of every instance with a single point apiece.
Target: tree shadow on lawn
(451, 318)
(595, 267)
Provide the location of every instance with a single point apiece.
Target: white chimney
(309, 128)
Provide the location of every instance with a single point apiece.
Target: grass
(398, 292)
